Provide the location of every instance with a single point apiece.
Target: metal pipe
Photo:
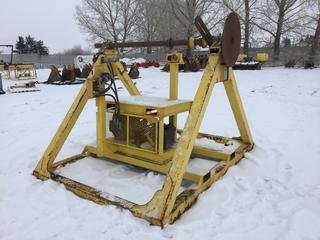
(168, 43)
(1, 88)
(11, 56)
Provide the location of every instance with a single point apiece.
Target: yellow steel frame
(25, 72)
(166, 205)
(6, 72)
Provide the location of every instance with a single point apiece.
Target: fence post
(1, 89)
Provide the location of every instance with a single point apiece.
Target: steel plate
(231, 39)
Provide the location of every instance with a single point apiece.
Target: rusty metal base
(183, 201)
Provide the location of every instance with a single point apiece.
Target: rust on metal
(134, 71)
(167, 43)
(203, 30)
(231, 39)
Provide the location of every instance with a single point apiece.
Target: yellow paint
(262, 57)
(166, 204)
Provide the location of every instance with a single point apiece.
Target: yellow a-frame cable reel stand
(140, 136)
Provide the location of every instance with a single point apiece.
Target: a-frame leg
(125, 78)
(101, 125)
(187, 139)
(45, 163)
(237, 108)
(162, 203)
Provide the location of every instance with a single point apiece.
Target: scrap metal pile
(18, 71)
(134, 68)
(193, 64)
(70, 75)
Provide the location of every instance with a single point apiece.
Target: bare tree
(76, 50)
(128, 18)
(185, 12)
(246, 26)
(314, 13)
(315, 42)
(107, 19)
(168, 25)
(278, 17)
(148, 18)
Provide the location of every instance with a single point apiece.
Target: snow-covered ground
(273, 193)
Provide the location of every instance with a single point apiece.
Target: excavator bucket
(86, 71)
(77, 71)
(68, 74)
(134, 71)
(54, 76)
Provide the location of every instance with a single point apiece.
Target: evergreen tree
(30, 45)
(20, 45)
(41, 49)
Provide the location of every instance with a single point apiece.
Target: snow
(273, 193)
(230, 147)
(130, 61)
(247, 63)
(155, 102)
(115, 178)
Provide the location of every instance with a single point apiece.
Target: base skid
(182, 203)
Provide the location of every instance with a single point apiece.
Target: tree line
(265, 23)
(28, 44)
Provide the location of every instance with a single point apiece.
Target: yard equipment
(1, 88)
(144, 129)
(245, 62)
(70, 75)
(4, 66)
(134, 71)
(309, 63)
(86, 70)
(54, 76)
(82, 60)
(24, 71)
(4, 69)
(290, 63)
(193, 64)
(24, 87)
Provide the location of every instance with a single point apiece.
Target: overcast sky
(51, 21)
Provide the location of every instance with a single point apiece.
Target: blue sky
(47, 20)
